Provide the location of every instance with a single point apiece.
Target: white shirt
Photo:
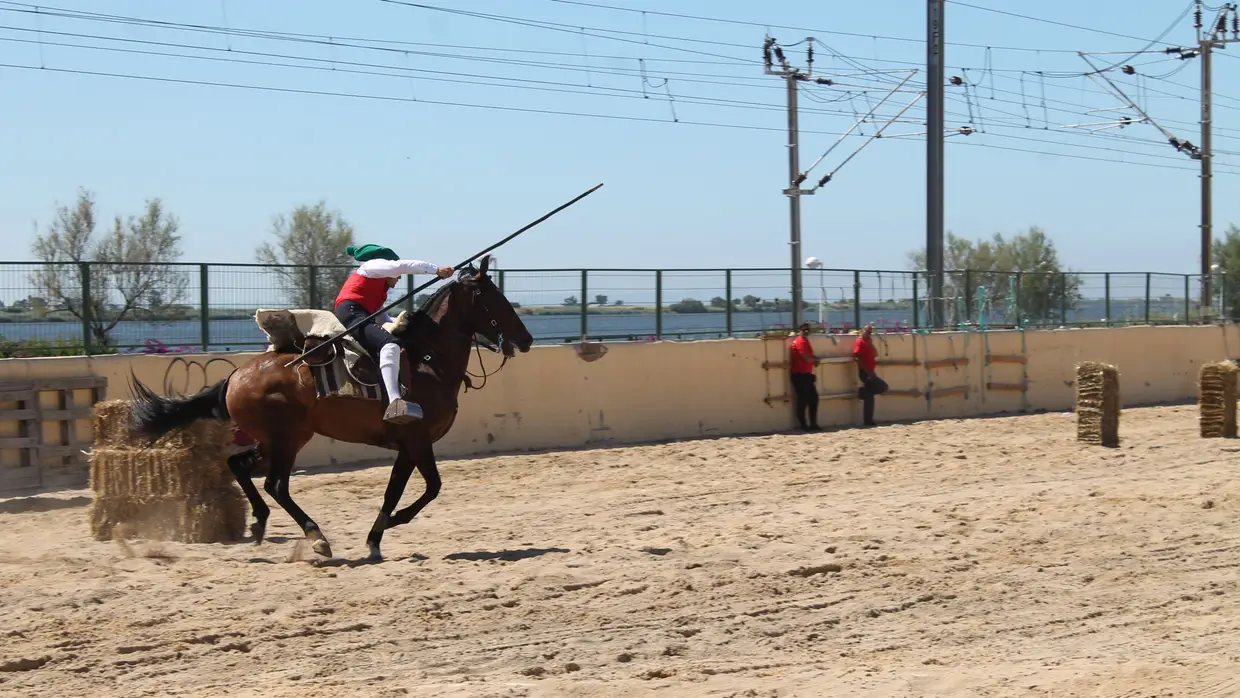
(387, 268)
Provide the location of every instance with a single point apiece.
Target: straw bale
(1216, 398)
(212, 516)
(113, 428)
(154, 472)
(1097, 404)
(176, 488)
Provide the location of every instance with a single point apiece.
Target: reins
(477, 346)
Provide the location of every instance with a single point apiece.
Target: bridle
(479, 341)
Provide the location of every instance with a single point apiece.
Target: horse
(281, 408)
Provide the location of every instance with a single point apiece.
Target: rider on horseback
(364, 293)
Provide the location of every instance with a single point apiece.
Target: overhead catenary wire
(712, 101)
(859, 122)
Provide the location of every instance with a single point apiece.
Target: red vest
(370, 293)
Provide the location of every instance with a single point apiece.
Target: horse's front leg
(399, 477)
(424, 458)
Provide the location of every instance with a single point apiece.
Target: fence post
(84, 273)
(409, 286)
(1147, 298)
(1106, 309)
(1016, 299)
(585, 303)
(857, 299)
(727, 297)
(916, 314)
(499, 273)
(313, 288)
(1224, 315)
(204, 305)
(968, 290)
(1187, 304)
(658, 304)
(1063, 299)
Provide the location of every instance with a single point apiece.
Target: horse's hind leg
(277, 485)
(242, 467)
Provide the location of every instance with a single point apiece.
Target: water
(243, 334)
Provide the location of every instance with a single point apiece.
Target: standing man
(866, 357)
(801, 367)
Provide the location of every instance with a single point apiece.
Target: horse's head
(488, 312)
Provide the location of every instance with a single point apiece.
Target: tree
(751, 301)
(688, 305)
(1226, 255)
(571, 301)
(600, 300)
(103, 280)
(313, 240)
(718, 302)
(1022, 273)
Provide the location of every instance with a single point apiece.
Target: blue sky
(438, 182)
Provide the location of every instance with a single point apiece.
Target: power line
(957, 3)
(453, 77)
(552, 86)
(768, 25)
(528, 110)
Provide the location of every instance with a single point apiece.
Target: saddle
(344, 369)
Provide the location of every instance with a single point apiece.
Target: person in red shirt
(866, 357)
(363, 294)
(801, 364)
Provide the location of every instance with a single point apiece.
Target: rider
(363, 294)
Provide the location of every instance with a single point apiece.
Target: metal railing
(75, 308)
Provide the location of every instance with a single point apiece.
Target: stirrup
(402, 412)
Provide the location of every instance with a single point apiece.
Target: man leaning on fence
(801, 362)
(866, 357)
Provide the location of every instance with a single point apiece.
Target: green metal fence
(97, 308)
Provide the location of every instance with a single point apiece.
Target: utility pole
(934, 158)
(1207, 41)
(794, 192)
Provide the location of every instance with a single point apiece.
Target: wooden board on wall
(47, 459)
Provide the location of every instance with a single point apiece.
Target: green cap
(369, 251)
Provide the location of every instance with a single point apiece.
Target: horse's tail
(154, 415)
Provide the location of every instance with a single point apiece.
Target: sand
(988, 557)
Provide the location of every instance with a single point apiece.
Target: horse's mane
(428, 315)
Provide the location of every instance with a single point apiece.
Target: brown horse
(279, 406)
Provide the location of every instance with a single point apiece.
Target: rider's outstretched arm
(388, 268)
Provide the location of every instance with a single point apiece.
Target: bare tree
(104, 280)
(313, 239)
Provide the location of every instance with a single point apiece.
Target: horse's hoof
(322, 547)
(259, 531)
(375, 555)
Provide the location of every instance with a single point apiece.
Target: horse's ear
(486, 262)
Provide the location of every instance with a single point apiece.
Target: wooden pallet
(43, 466)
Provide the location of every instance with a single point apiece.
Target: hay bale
(1216, 398)
(1097, 404)
(114, 428)
(213, 516)
(177, 488)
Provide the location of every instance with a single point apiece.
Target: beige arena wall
(552, 398)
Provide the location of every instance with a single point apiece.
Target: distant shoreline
(8, 316)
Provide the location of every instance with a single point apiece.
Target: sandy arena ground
(989, 557)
